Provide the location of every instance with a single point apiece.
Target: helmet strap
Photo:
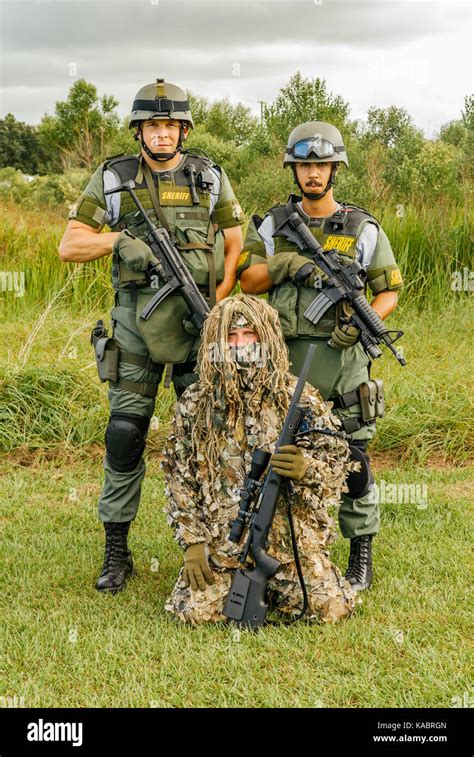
(314, 195)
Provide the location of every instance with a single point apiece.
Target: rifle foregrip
(370, 317)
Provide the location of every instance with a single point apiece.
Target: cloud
(366, 50)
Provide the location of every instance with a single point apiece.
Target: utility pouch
(163, 332)
(371, 397)
(126, 275)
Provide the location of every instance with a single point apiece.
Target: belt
(342, 401)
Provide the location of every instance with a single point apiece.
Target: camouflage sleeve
(227, 211)
(90, 208)
(328, 456)
(182, 490)
(383, 272)
(254, 250)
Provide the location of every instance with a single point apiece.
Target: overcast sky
(416, 55)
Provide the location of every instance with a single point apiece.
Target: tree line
(391, 159)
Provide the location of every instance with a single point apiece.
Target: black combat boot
(118, 563)
(359, 572)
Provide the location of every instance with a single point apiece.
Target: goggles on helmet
(317, 145)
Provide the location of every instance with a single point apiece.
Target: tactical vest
(168, 333)
(190, 225)
(338, 231)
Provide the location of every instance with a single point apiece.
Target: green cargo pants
(121, 490)
(336, 372)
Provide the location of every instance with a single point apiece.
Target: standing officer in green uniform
(192, 198)
(341, 367)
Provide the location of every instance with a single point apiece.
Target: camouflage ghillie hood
(235, 382)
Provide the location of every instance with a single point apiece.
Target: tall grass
(29, 243)
(430, 243)
(49, 392)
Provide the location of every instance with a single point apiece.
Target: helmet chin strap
(160, 157)
(314, 195)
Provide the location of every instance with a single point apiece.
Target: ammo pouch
(371, 398)
(370, 395)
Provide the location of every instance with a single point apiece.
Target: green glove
(135, 253)
(289, 462)
(286, 265)
(343, 335)
(196, 568)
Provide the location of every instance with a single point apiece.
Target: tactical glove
(196, 567)
(343, 335)
(135, 253)
(289, 462)
(290, 265)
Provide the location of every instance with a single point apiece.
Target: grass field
(64, 645)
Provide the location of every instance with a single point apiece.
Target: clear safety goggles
(322, 148)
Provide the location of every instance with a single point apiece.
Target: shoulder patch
(243, 257)
(394, 277)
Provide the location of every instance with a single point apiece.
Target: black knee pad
(125, 440)
(359, 482)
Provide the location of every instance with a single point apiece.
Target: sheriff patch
(394, 277)
(237, 211)
(243, 257)
(336, 242)
(176, 196)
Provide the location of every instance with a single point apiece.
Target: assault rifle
(344, 282)
(169, 265)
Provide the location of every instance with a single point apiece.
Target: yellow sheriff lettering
(176, 195)
(335, 242)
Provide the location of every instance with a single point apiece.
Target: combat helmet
(160, 100)
(318, 142)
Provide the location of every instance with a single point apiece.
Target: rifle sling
(154, 198)
(207, 246)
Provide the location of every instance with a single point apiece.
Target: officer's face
(239, 337)
(161, 135)
(313, 176)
